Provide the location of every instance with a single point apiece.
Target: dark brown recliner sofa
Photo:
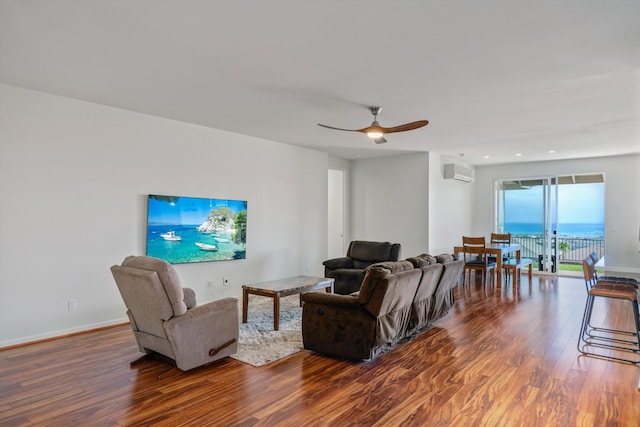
(435, 296)
(396, 300)
(349, 271)
(361, 326)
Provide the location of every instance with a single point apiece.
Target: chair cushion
(359, 265)
(370, 251)
(478, 262)
(616, 279)
(168, 276)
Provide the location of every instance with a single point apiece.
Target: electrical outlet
(225, 282)
(210, 288)
(72, 304)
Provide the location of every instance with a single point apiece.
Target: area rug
(258, 343)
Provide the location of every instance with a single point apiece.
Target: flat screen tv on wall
(190, 229)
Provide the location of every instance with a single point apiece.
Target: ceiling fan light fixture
(377, 132)
(374, 131)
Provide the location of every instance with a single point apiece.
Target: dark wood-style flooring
(499, 358)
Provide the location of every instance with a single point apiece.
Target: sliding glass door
(556, 219)
(527, 209)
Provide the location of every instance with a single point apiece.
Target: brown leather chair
(349, 271)
(364, 325)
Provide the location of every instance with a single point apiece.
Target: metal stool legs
(615, 344)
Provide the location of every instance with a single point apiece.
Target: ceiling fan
(377, 132)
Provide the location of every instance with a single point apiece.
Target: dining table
(499, 250)
(628, 264)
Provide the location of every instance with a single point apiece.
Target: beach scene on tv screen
(191, 229)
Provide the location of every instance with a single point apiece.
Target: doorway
(336, 212)
(558, 220)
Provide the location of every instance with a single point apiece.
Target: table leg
(499, 269)
(245, 305)
(276, 312)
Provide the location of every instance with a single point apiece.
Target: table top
(622, 263)
(291, 283)
(504, 247)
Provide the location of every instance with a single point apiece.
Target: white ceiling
(494, 78)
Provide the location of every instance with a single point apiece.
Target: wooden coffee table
(277, 289)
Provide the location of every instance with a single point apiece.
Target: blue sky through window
(577, 203)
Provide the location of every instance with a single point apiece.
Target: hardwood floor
(499, 358)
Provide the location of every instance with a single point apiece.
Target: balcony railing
(564, 250)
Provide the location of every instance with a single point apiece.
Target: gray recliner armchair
(165, 319)
(349, 271)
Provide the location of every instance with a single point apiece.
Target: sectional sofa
(396, 301)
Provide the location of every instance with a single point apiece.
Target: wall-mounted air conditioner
(457, 172)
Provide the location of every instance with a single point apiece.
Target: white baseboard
(62, 333)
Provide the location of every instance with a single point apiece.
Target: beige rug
(259, 344)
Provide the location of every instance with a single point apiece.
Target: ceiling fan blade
(377, 132)
(335, 128)
(406, 126)
(380, 140)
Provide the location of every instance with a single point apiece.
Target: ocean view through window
(575, 229)
(557, 220)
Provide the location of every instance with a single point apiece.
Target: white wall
(450, 207)
(73, 181)
(389, 201)
(406, 199)
(622, 194)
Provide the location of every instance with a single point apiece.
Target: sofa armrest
(337, 325)
(334, 300)
(335, 263)
(189, 297)
(201, 329)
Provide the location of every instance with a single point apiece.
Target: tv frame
(182, 229)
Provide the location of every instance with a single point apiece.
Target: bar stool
(615, 279)
(591, 277)
(617, 342)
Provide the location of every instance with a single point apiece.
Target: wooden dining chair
(503, 239)
(476, 259)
